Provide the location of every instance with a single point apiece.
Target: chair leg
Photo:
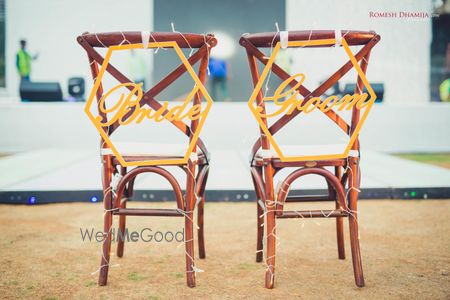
(340, 235)
(189, 227)
(259, 222)
(339, 229)
(121, 233)
(122, 218)
(201, 229)
(353, 224)
(270, 233)
(339, 220)
(104, 263)
(189, 244)
(259, 232)
(270, 248)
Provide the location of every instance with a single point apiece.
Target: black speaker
(378, 88)
(40, 91)
(76, 88)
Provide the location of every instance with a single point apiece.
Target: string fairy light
(118, 177)
(98, 39)
(207, 53)
(182, 35)
(347, 170)
(124, 40)
(194, 268)
(266, 86)
(107, 234)
(271, 203)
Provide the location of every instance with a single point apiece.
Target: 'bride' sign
(123, 105)
(130, 101)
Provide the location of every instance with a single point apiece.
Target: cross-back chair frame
(346, 171)
(196, 170)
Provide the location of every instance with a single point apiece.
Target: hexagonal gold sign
(195, 111)
(360, 100)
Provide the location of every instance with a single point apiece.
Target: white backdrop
(51, 28)
(401, 60)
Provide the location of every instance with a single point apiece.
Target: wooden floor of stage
(405, 254)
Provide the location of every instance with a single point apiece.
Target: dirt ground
(405, 254)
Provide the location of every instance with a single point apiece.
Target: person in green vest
(23, 61)
(444, 89)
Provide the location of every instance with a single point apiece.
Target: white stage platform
(57, 175)
(57, 157)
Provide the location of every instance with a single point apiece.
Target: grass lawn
(437, 159)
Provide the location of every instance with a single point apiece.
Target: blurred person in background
(444, 89)
(23, 61)
(219, 74)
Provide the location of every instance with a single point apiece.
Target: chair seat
(142, 149)
(305, 150)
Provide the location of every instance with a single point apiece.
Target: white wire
(182, 35)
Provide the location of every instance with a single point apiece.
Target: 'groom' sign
(287, 101)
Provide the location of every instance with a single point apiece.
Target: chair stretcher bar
(149, 212)
(313, 214)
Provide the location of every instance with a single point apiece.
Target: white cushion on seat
(306, 150)
(150, 149)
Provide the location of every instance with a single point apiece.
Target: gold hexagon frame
(199, 86)
(265, 129)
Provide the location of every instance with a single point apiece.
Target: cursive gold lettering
(289, 100)
(130, 102)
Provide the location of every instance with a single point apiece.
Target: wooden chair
(196, 168)
(265, 163)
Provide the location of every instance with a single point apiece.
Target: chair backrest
(138, 40)
(307, 39)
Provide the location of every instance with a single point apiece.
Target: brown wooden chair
(196, 167)
(265, 163)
